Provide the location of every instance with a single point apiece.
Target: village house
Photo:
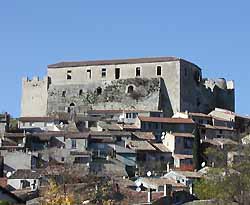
(18, 160)
(181, 147)
(241, 123)
(210, 132)
(198, 118)
(123, 116)
(37, 123)
(4, 122)
(186, 178)
(159, 184)
(158, 125)
(22, 179)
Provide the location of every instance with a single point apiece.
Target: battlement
(34, 79)
(220, 82)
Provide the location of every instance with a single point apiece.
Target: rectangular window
(73, 143)
(158, 68)
(138, 71)
(117, 73)
(185, 71)
(188, 143)
(157, 126)
(69, 75)
(89, 74)
(103, 72)
(135, 115)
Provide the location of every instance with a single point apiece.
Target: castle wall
(34, 97)
(114, 95)
(204, 95)
(178, 87)
(80, 79)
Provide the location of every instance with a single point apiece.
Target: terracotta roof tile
(183, 156)
(36, 119)
(113, 62)
(161, 147)
(144, 135)
(140, 146)
(166, 120)
(182, 134)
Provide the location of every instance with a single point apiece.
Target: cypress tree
(197, 160)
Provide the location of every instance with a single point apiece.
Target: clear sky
(213, 34)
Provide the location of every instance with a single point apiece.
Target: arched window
(130, 89)
(80, 92)
(99, 91)
(64, 93)
(72, 104)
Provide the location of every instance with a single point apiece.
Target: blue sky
(213, 34)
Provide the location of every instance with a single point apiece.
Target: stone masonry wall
(106, 95)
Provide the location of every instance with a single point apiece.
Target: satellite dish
(138, 189)
(149, 173)
(203, 164)
(138, 183)
(163, 135)
(8, 174)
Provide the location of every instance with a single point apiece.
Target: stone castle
(168, 84)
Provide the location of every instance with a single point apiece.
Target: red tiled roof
(36, 119)
(144, 135)
(161, 147)
(140, 146)
(113, 62)
(182, 134)
(219, 128)
(166, 120)
(183, 156)
(197, 114)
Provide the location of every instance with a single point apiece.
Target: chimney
(168, 167)
(167, 190)
(191, 189)
(149, 195)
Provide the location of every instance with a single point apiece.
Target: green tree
(197, 159)
(229, 183)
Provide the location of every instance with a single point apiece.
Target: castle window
(72, 104)
(137, 71)
(103, 72)
(99, 91)
(64, 93)
(130, 89)
(198, 102)
(185, 72)
(89, 74)
(80, 92)
(158, 70)
(117, 73)
(69, 75)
